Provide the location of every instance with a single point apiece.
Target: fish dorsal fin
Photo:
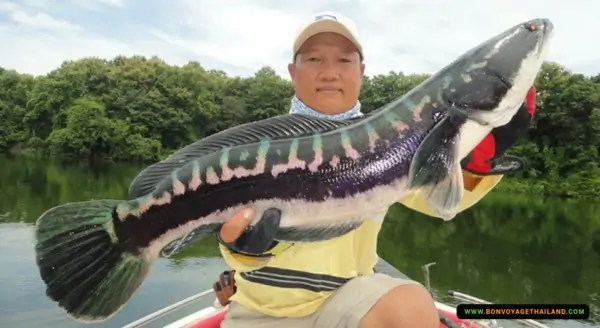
(278, 127)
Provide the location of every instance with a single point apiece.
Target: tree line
(142, 109)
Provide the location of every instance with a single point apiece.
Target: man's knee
(405, 306)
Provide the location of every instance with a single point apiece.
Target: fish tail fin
(84, 266)
(436, 169)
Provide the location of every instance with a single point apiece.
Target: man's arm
(241, 262)
(476, 188)
(248, 262)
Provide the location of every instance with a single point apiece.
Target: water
(507, 248)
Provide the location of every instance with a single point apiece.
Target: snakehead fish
(325, 176)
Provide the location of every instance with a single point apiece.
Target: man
(331, 284)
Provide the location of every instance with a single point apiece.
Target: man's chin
(331, 105)
(330, 97)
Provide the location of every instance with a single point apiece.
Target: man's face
(327, 74)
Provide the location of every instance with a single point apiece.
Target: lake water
(508, 248)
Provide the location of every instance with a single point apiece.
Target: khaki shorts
(343, 309)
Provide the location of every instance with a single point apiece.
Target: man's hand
(254, 240)
(225, 287)
(488, 157)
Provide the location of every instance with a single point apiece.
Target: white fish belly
(299, 213)
(302, 213)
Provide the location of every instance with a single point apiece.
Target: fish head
(489, 83)
(481, 90)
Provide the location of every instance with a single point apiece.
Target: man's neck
(298, 107)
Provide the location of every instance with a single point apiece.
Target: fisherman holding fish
(331, 284)
(317, 184)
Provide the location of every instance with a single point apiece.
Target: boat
(212, 316)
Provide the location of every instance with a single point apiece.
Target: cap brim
(325, 26)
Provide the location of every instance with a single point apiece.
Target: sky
(239, 37)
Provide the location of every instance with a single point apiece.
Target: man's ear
(292, 70)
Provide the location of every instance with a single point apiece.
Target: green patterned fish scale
(196, 179)
(224, 160)
(264, 148)
(211, 175)
(244, 155)
(391, 118)
(294, 148)
(317, 144)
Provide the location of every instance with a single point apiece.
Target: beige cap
(328, 22)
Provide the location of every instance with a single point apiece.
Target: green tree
(142, 109)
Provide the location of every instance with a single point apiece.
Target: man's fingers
(232, 229)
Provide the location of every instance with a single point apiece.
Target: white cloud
(40, 21)
(240, 36)
(114, 3)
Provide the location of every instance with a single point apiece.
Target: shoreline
(564, 188)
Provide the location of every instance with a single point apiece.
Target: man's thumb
(235, 226)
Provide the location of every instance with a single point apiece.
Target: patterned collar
(298, 107)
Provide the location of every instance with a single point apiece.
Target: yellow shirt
(297, 280)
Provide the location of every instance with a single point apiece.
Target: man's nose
(329, 71)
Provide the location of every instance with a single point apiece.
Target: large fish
(325, 176)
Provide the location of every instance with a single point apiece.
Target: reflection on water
(23, 303)
(510, 249)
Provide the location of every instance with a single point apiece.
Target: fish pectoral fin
(436, 169)
(444, 197)
(435, 157)
(318, 232)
